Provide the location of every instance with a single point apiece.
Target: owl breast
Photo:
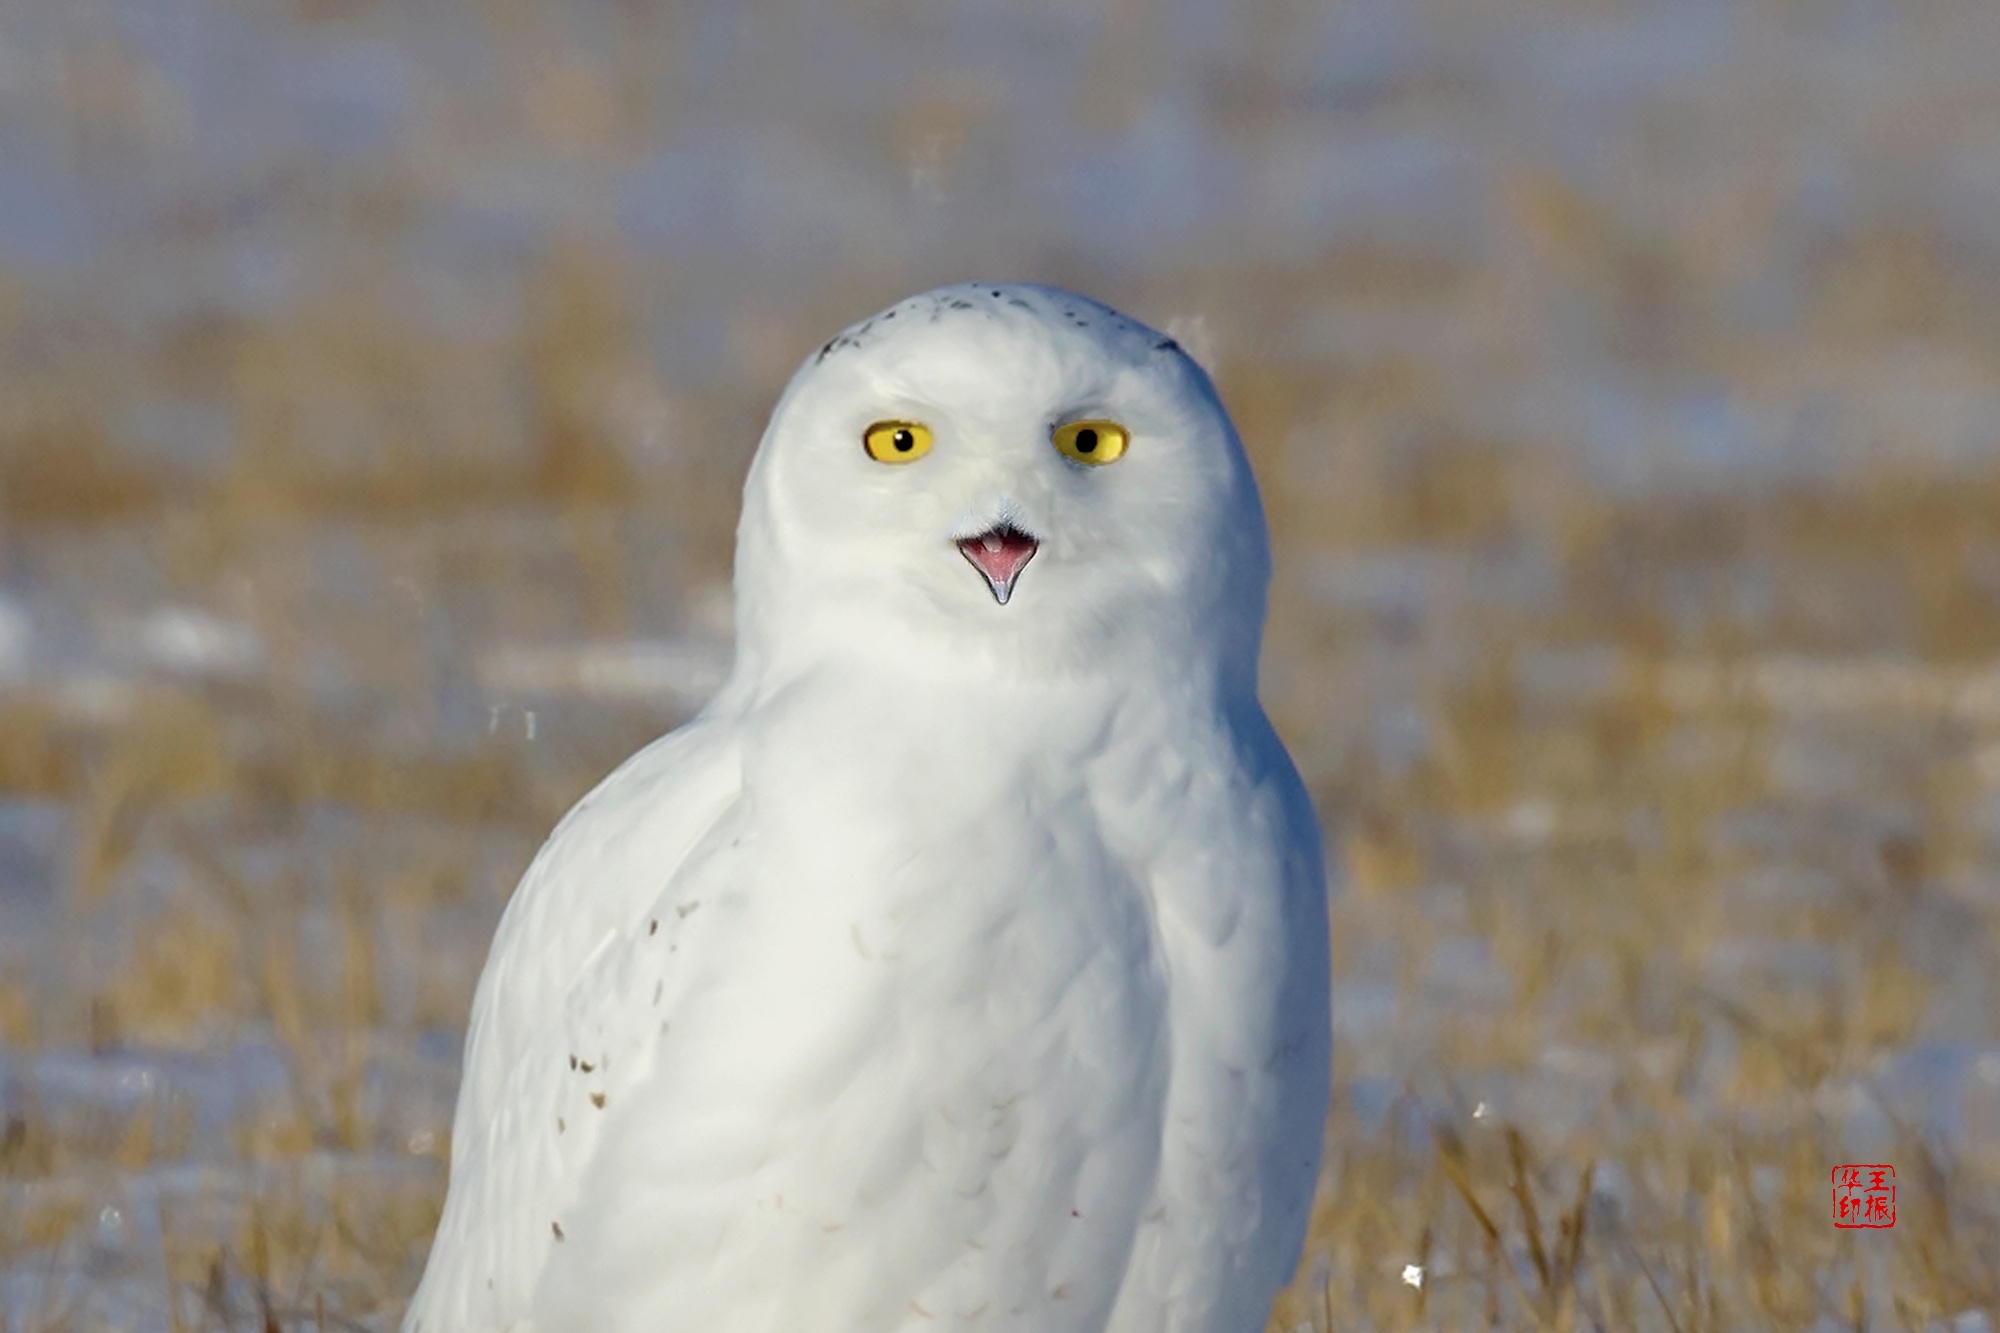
(976, 988)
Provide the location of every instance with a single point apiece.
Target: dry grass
(1666, 804)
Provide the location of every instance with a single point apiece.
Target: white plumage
(963, 965)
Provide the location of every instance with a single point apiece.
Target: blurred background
(377, 380)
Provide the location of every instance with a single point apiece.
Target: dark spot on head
(572, 1062)
(996, 293)
(838, 341)
(557, 1228)
(653, 926)
(1166, 345)
(1018, 303)
(959, 303)
(890, 315)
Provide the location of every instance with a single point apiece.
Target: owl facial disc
(999, 554)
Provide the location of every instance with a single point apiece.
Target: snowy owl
(963, 965)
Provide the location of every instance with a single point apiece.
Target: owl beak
(1000, 554)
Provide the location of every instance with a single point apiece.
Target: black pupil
(1086, 441)
(904, 441)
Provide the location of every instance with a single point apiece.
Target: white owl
(963, 966)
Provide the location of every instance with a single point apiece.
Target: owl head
(1005, 479)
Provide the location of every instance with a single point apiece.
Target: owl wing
(591, 885)
(1240, 891)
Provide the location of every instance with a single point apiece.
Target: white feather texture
(963, 966)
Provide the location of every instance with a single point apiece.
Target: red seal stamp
(1864, 1196)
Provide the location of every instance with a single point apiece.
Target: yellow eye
(896, 441)
(1093, 442)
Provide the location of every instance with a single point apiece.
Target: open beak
(1000, 554)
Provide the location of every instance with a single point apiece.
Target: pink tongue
(999, 555)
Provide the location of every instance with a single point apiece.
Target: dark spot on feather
(572, 1062)
(838, 342)
(557, 1228)
(1166, 345)
(560, 1125)
(597, 1100)
(653, 926)
(588, 1067)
